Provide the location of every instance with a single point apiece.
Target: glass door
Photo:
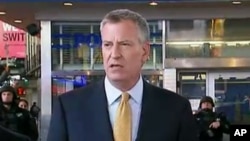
(231, 92)
(193, 86)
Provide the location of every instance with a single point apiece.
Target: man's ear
(146, 51)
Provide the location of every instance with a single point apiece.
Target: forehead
(22, 102)
(7, 92)
(206, 103)
(126, 22)
(121, 28)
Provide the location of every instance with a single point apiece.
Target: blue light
(80, 81)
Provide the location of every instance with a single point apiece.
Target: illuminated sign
(21, 91)
(12, 40)
(91, 40)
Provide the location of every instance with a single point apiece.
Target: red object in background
(21, 91)
(14, 38)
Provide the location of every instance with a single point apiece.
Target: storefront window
(155, 58)
(192, 85)
(77, 46)
(208, 38)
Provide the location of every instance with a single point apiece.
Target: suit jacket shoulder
(168, 113)
(75, 113)
(80, 95)
(167, 97)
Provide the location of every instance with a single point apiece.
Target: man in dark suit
(7, 135)
(122, 107)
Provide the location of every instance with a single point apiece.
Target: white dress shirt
(113, 97)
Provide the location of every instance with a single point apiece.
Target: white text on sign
(240, 132)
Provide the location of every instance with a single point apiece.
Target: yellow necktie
(123, 121)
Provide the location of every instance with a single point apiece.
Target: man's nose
(116, 52)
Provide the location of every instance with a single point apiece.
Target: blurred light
(236, 2)
(153, 3)
(18, 21)
(67, 4)
(2, 13)
(88, 72)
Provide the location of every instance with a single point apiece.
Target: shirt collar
(113, 93)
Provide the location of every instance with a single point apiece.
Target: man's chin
(7, 103)
(116, 77)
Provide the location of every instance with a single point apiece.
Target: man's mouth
(115, 65)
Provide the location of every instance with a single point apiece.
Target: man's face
(7, 97)
(206, 105)
(123, 52)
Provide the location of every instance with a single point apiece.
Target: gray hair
(118, 15)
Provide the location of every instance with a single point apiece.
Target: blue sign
(91, 40)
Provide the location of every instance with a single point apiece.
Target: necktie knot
(125, 97)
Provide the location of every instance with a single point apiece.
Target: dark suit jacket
(7, 135)
(82, 115)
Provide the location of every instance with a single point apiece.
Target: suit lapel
(98, 115)
(152, 121)
(157, 120)
(146, 111)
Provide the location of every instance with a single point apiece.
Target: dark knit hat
(206, 99)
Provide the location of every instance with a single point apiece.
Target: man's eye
(125, 44)
(106, 45)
